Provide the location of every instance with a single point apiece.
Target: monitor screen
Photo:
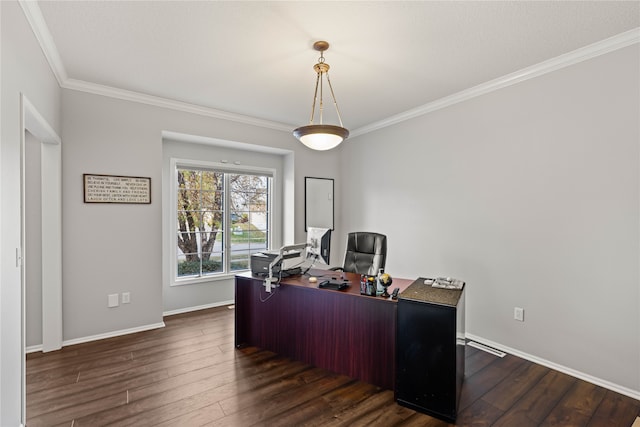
(319, 244)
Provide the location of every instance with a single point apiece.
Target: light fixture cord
(319, 84)
(335, 103)
(315, 97)
(321, 93)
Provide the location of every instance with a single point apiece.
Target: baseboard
(33, 348)
(198, 307)
(36, 348)
(635, 394)
(113, 334)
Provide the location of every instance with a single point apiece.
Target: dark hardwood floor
(190, 374)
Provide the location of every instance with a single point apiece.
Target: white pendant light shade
(321, 136)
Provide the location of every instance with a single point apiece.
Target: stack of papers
(445, 283)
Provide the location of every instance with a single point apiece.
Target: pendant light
(321, 136)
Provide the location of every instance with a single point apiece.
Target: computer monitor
(319, 244)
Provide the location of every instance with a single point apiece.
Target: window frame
(225, 168)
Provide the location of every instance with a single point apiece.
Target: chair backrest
(366, 253)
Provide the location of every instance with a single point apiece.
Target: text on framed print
(116, 189)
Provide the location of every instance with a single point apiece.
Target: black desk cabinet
(430, 350)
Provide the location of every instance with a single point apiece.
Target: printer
(289, 263)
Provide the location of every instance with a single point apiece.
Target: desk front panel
(343, 332)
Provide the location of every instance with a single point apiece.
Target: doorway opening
(37, 133)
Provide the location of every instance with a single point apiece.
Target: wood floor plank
(200, 417)
(46, 386)
(420, 420)
(73, 396)
(615, 410)
(389, 414)
(484, 380)
(74, 368)
(477, 360)
(159, 361)
(111, 346)
(353, 416)
(264, 391)
(109, 373)
(125, 343)
(165, 392)
(534, 407)
(323, 409)
(577, 405)
(266, 408)
(518, 383)
(69, 413)
(480, 413)
(100, 378)
(114, 359)
(182, 407)
(189, 373)
(213, 359)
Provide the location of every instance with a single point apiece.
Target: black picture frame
(118, 189)
(319, 202)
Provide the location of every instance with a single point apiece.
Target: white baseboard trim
(33, 348)
(113, 334)
(635, 394)
(198, 307)
(36, 348)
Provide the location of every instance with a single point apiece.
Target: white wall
(23, 70)
(33, 242)
(118, 248)
(531, 194)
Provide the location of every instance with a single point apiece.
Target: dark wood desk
(341, 331)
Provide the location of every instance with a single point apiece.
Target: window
(222, 217)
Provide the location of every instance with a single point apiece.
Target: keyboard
(333, 285)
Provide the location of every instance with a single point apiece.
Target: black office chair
(366, 253)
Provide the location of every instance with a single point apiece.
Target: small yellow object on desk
(386, 279)
(313, 279)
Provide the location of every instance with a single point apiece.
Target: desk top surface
(320, 275)
(419, 291)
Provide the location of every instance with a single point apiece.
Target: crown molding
(157, 101)
(43, 35)
(602, 47)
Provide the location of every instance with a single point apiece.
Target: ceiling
(255, 59)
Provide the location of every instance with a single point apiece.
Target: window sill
(206, 279)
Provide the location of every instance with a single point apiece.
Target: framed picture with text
(116, 189)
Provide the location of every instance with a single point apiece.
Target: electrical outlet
(518, 313)
(126, 297)
(113, 301)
